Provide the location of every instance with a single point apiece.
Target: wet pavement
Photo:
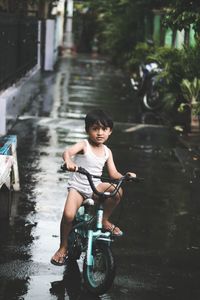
(158, 257)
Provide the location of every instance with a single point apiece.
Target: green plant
(191, 93)
(139, 55)
(170, 62)
(170, 75)
(191, 61)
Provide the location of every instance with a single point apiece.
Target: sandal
(59, 259)
(115, 231)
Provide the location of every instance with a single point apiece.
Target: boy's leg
(109, 206)
(72, 204)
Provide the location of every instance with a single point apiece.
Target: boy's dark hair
(99, 117)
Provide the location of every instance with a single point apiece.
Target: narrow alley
(158, 256)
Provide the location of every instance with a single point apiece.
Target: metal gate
(18, 47)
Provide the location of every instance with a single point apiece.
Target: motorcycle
(148, 86)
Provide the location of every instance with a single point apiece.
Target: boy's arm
(112, 170)
(71, 151)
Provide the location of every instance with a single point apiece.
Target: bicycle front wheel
(99, 277)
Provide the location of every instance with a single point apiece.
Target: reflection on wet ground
(158, 258)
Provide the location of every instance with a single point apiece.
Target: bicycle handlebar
(104, 194)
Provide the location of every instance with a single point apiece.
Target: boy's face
(98, 133)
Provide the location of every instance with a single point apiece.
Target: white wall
(50, 47)
(68, 38)
(39, 44)
(54, 36)
(2, 116)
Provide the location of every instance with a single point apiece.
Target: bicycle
(87, 235)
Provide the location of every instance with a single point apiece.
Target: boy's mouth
(99, 139)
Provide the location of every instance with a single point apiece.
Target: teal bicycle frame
(99, 262)
(97, 235)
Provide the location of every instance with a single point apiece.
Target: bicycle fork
(97, 235)
(92, 237)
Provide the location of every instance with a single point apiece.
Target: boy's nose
(100, 130)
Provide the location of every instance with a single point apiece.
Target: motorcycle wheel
(152, 100)
(99, 277)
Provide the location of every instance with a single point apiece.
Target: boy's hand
(131, 174)
(71, 166)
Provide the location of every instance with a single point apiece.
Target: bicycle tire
(74, 246)
(99, 277)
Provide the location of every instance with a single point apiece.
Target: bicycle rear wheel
(99, 277)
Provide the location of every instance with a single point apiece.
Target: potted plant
(191, 93)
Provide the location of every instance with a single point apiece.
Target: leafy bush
(191, 62)
(139, 55)
(170, 62)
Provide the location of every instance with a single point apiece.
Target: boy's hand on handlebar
(131, 175)
(71, 167)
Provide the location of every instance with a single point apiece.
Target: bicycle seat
(88, 201)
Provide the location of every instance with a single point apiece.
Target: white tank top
(92, 163)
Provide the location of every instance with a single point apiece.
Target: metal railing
(18, 47)
(8, 162)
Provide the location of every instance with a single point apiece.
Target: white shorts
(85, 195)
(86, 192)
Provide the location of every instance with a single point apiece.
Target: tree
(181, 14)
(120, 24)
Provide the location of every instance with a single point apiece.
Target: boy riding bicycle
(92, 155)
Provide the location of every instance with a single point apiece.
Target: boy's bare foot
(112, 228)
(59, 258)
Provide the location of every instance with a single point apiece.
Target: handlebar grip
(79, 170)
(138, 179)
(83, 171)
(135, 179)
(63, 167)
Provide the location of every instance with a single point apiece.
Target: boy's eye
(98, 128)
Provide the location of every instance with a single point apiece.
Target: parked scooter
(148, 86)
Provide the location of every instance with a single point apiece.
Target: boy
(92, 155)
